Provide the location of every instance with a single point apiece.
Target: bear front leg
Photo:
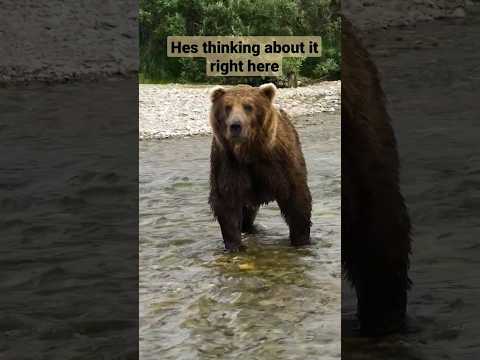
(297, 211)
(382, 299)
(378, 261)
(249, 215)
(230, 220)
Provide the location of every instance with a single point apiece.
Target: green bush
(328, 69)
(161, 18)
(329, 65)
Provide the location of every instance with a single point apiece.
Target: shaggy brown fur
(375, 222)
(256, 158)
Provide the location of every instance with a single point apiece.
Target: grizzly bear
(375, 223)
(256, 157)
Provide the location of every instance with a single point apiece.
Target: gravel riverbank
(182, 110)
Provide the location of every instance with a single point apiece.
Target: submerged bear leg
(375, 249)
(382, 299)
(297, 211)
(249, 215)
(230, 223)
(375, 252)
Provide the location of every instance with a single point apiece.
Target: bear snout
(236, 128)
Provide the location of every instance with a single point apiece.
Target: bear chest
(264, 185)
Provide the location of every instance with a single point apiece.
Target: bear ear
(216, 93)
(269, 90)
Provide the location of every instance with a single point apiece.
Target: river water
(270, 302)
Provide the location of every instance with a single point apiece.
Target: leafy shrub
(161, 18)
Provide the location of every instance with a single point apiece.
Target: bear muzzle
(237, 131)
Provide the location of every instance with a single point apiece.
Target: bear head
(243, 117)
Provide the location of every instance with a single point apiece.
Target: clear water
(270, 302)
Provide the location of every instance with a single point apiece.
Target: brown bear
(256, 157)
(375, 223)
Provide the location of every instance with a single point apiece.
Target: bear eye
(228, 108)
(247, 107)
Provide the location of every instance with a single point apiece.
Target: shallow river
(270, 302)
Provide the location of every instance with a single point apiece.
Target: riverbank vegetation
(161, 18)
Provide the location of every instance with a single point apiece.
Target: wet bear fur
(256, 158)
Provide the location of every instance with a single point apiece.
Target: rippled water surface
(270, 302)
(68, 249)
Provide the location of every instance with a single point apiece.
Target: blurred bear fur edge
(376, 240)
